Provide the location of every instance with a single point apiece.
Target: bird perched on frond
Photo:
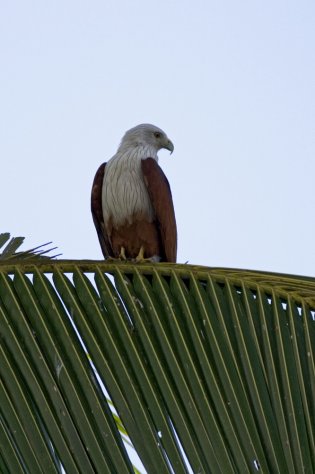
(131, 200)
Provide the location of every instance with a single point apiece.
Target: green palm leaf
(12, 244)
(209, 370)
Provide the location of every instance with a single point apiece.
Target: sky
(231, 83)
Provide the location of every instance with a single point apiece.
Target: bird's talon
(122, 255)
(111, 259)
(140, 257)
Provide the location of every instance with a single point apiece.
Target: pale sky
(231, 83)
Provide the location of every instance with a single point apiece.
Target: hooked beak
(169, 146)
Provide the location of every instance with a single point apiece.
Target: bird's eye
(157, 134)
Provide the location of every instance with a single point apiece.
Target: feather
(131, 200)
(97, 212)
(162, 202)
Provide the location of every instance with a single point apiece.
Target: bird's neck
(139, 152)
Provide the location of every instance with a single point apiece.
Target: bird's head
(146, 135)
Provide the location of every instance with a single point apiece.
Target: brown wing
(161, 198)
(97, 212)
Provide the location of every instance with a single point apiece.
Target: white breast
(124, 191)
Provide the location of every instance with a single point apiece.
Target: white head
(146, 135)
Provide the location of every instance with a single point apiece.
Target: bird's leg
(140, 256)
(122, 254)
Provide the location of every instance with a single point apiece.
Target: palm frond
(10, 250)
(209, 370)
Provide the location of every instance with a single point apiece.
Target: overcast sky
(231, 83)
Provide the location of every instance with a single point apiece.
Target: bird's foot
(113, 259)
(122, 255)
(140, 257)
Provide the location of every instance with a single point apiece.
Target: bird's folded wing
(162, 202)
(97, 211)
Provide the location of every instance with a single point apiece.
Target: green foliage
(217, 364)
(10, 250)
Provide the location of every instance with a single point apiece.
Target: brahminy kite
(131, 200)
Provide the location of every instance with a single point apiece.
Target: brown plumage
(131, 200)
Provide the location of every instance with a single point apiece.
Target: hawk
(131, 200)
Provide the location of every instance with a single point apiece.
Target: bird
(131, 200)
